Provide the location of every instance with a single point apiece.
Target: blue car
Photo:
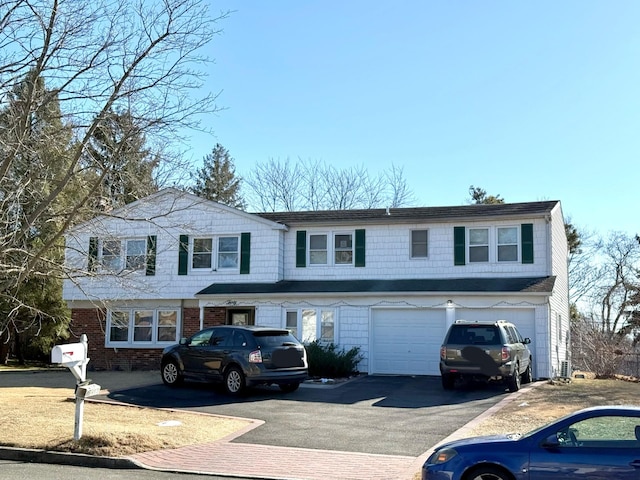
(596, 443)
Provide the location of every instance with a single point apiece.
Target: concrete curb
(62, 458)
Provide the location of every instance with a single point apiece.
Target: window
(317, 249)
(292, 323)
(228, 253)
(343, 249)
(202, 248)
(132, 253)
(478, 245)
(508, 244)
(136, 254)
(142, 326)
(111, 259)
(312, 324)
(606, 432)
(418, 244)
(215, 253)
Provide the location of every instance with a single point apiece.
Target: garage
(406, 341)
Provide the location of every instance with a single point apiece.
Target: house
(388, 281)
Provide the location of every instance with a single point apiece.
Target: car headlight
(442, 456)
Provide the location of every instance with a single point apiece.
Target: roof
(431, 214)
(538, 285)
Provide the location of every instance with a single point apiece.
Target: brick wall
(92, 322)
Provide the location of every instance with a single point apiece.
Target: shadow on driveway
(394, 415)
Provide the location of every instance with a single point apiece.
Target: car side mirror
(551, 441)
(526, 341)
(184, 341)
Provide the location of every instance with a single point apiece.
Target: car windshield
(274, 338)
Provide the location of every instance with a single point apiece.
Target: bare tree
(583, 270)
(315, 185)
(87, 59)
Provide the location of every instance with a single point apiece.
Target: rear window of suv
(271, 339)
(474, 335)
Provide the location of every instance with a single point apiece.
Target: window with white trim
(419, 244)
(478, 245)
(343, 249)
(128, 254)
(215, 253)
(142, 327)
(507, 244)
(318, 249)
(312, 324)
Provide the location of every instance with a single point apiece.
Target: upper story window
(419, 244)
(215, 253)
(478, 245)
(343, 249)
(508, 244)
(317, 249)
(129, 254)
(320, 251)
(493, 244)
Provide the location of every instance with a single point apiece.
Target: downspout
(201, 315)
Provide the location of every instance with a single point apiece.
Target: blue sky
(528, 100)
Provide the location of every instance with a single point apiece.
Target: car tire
(171, 375)
(234, 381)
(289, 387)
(448, 381)
(488, 473)
(513, 382)
(527, 376)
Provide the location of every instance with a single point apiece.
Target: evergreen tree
(479, 196)
(217, 179)
(120, 161)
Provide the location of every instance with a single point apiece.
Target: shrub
(329, 361)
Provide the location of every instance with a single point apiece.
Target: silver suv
(485, 351)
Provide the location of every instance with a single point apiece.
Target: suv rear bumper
(265, 376)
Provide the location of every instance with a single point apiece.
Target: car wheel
(448, 381)
(289, 387)
(234, 381)
(488, 473)
(171, 375)
(527, 376)
(513, 382)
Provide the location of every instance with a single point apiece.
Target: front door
(241, 316)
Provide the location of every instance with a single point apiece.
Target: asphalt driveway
(393, 415)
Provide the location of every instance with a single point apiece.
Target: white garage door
(522, 318)
(406, 341)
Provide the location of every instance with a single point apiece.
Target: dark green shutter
(245, 252)
(360, 248)
(93, 254)
(301, 248)
(183, 255)
(459, 248)
(527, 242)
(151, 255)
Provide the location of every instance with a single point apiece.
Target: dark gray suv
(485, 351)
(237, 356)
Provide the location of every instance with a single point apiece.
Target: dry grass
(44, 418)
(552, 400)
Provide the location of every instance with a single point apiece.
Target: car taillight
(443, 352)
(255, 357)
(506, 353)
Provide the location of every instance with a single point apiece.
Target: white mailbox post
(74, 357)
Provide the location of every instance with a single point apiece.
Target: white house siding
(187, 216)
(388, 254)
(559, 302)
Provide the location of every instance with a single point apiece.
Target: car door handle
(635, 464)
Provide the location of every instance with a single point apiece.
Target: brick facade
(92, 322)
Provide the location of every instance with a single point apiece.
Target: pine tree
(217, 179)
